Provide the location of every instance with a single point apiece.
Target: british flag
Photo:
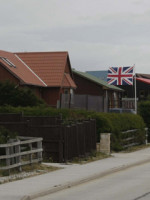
(120, 76)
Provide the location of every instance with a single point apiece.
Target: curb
(83, 180)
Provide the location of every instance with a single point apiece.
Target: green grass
(136, 148)
(90, 158)
(37, 168)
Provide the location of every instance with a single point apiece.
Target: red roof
(46, 69)
(49, 66)
(19, 69)
(145, 80)
(67, 81)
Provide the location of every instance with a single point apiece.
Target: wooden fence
(131, 138)
(86, 102)
(79, 139)
(60, 142)
(26, 150)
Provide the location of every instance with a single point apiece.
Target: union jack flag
(120, 76)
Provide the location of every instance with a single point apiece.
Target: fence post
(77, 139)
(30, 156)
(7, 159)
(39, 146)
(146, 136)
(18, 159)
(65, 143)
(11, 149)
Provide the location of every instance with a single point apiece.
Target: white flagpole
(135, 91)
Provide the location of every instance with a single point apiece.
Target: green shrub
(6, 135)
(15, 96)
(144, 111)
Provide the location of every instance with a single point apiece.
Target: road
(130, 184)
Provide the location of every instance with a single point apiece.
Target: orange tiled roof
(19, 69)
(67, 81)
(45, 69)
(49, 66)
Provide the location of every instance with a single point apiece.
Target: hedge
(114, 123)
(144, 111)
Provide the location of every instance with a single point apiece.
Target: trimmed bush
(144, 111)
(116, 123)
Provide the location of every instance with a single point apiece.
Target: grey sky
(96, 33)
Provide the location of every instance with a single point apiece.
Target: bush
(14, 96)
(144, 111)
(6, 135)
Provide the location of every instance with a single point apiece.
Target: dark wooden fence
(86, 102)
(79, 139)
(61, 143)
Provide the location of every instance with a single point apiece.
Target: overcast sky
(96, 33)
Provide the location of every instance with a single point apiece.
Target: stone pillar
(105, 143)
(98, 147)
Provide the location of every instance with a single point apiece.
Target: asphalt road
(130, 184)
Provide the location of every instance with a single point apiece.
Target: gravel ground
(21, 175)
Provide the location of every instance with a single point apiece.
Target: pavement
(70, 175)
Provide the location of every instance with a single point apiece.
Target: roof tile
(49, 66)
(21, 71)
(68, 82)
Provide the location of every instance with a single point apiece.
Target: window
(67, 95)
(8, 62)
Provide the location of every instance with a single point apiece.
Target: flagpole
(135, 91)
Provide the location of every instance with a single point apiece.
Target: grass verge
(27, 171)
(136, 148)
(90, 158)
